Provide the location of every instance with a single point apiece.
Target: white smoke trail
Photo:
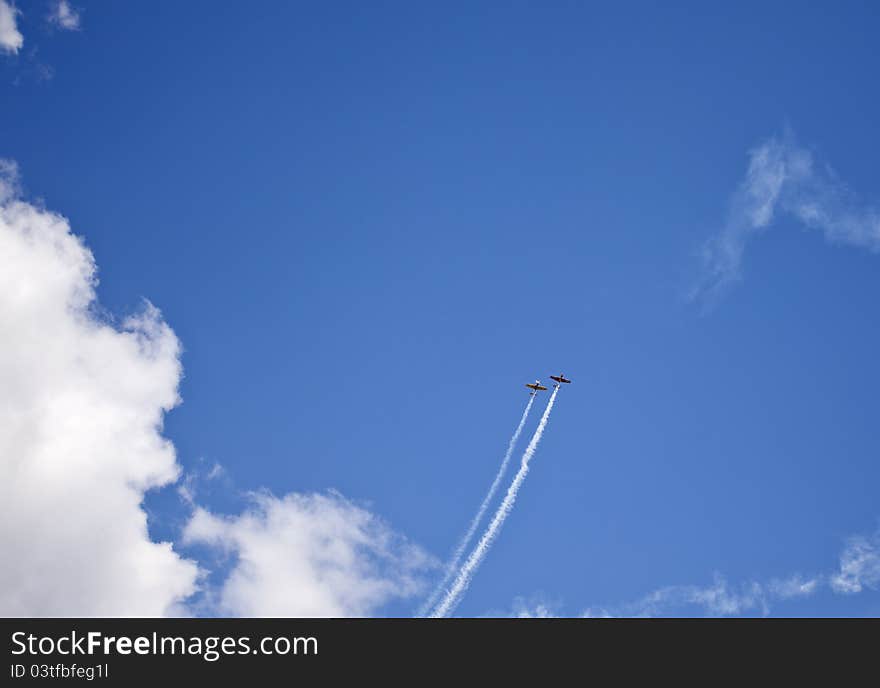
(454, 594)
(452, 567)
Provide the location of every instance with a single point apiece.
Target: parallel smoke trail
(453, 596)
(468, 536)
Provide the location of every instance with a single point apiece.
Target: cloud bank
(11, 39)
(82, 402)
(783, 179)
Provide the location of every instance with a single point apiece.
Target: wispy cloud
(783, 179)
(718, 599)
(10, 181)
(11, 39)
(858, 569)
(65, 16)
(859, 565)
(197, 477)
(534, 608)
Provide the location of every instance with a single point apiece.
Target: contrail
(468, 536)
(454, 594)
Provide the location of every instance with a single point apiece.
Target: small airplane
(560, 379)
(536, 386)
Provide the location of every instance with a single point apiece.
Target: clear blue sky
(369, 226)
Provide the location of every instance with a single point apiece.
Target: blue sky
(369, 227)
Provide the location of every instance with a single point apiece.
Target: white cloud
(793, 587)
(783, 179)
(11, 39)
(859, 568)
(718, 599)
(81, 409)
(308, 555)
(64, 16)
(533, 609)
(82, 403)
(859, 565)
(591, 613)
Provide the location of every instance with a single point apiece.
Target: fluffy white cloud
(11, 39)
(308, 555)
(64, 16)
(782, 178)
(81, 408)
(859, 565)
(82, 401)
